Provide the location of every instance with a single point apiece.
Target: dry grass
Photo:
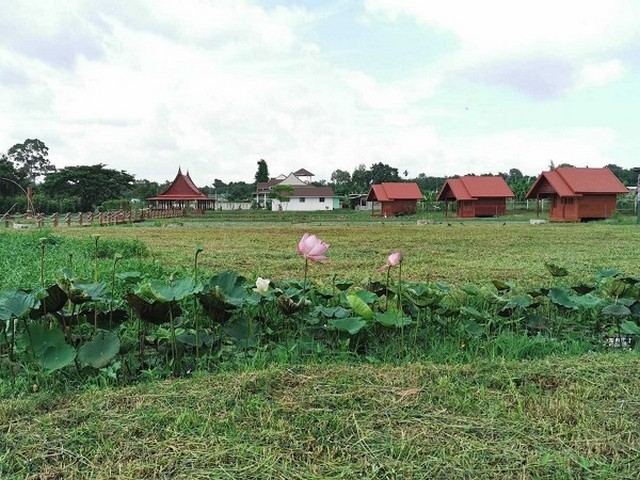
(556, 418)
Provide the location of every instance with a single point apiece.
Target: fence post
(67, 219)
(55, 219)
(80, 218)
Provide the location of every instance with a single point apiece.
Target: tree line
(87, 187)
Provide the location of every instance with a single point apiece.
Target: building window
(321, 199)
(302, 199)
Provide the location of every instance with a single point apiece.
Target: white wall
(310, 204)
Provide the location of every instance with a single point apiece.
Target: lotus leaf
(100, 351)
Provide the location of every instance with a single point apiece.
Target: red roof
(390, 191)
(473, 188)
(576, 181)
(182, 188)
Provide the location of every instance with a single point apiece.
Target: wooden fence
(83, 219)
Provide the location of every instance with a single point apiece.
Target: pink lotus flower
(312, 248)
(393, 260)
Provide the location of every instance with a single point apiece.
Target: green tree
(31, 158)
(381, 172)
(240, 191)
(361, 179)
(143, 189)
(90, 185)
(282, 193)
(9, 177)
(262, 175)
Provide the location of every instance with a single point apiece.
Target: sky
(213, 86)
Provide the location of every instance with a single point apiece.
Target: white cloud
(542, 48)
(600, 74)
(215, 86)
(494, 26)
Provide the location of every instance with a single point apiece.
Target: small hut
(577, 194)
(484, 196)
(395, 198)
(182, 193)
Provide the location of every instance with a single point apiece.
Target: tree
(262, 175)
(515, 174)
(90, 185)
(381, 172)
(282, 193)
(31, 159)
(240, 191)
(341, 180)
(143, 189)
(361, 179)
(9, 177)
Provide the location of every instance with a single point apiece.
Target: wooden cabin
(577, 194)
(395, 198)
(484, 196)
(181, 194)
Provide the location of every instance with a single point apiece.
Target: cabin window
(302, 199)
(567, 201)
(321, 199)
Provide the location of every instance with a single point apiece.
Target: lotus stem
(43, 242)
(304, 285)
(116, 257)
(174, 341)
(95, 250)
(195, 305)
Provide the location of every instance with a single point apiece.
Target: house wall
(596, 206)
(399, 207)
(563, 209)
(466, 209)
(490, 207)
(574, 209)
(483, 207)
(309, 204)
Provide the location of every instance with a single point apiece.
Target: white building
(305, 197)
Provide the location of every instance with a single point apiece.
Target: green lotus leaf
(100, 351)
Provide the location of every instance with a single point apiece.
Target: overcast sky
(439, 87)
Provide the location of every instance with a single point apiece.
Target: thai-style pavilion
(181, 194)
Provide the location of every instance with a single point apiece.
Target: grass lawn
(462, 252)
(559, 418)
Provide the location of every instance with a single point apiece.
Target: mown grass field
(559, 417)
(462, 252)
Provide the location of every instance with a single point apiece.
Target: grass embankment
(553, 418)
(464, 252)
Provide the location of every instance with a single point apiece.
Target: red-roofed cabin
(577, 194)
(396, 198)
(484, 196)
(182, 193)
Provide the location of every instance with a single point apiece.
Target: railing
(83, 219)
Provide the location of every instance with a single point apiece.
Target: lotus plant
(311, 248)
(393, 260)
